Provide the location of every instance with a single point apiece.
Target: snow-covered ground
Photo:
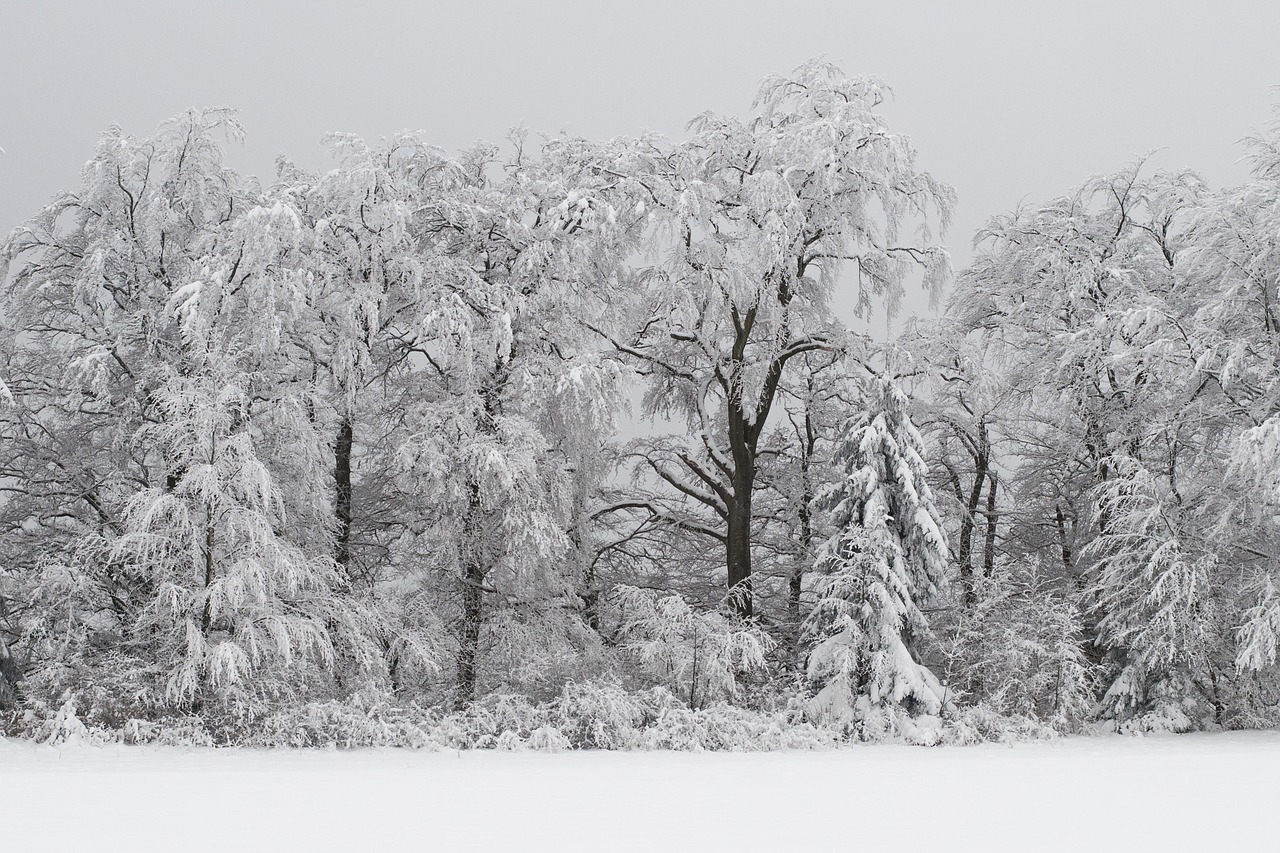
(1214, 792)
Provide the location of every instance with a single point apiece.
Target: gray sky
(1007, 101)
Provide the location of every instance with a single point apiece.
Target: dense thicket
(349, 458)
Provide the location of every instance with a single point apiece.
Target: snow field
(1204, 792)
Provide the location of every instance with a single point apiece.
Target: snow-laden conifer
(884, 562)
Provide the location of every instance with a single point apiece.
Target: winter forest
(574, 443)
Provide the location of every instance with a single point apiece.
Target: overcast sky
(1007, 101)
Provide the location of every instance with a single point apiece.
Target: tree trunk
(989, 554)
(473, 574)
(342, 502)
(590, 598)
(580, 537)
(10, 675)
(805, 517)
(206, 619)
(737, 500)
(738, 553)
(964, 553)
(475, 568)
(1063, 544)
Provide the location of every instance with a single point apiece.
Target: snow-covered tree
(508, 396)
(87, 322)
(234, 606)
(1155, 597)
(1018, 647)
(156, 315)
(755, 225)
(89, 338)
(1075, 304)
(884, 562)
(10, 673)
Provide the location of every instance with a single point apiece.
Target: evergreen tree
(884, 562)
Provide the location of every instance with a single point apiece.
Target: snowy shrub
(106, 689)
(602, 715)
(65, 728)
(112, 699)
(178, 730)
(499, 720)
(724, 727)
(1164, 718)
(548, 739)
(360, 721)
(698, 655)
(983, 723)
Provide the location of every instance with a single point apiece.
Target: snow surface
(1205, 792)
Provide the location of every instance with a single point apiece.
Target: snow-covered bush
(602, 715)
(700, 655)
(539, 648)
(981, 723)
(724, 727)
(496, 721)
(358, 721)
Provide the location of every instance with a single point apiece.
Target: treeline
(352, 457)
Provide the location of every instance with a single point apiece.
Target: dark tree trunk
(206, 619)
(808, 442)
(580, 537)
(1096, 445)
(590, 597)
(342, 502)
(473, 575)
(10, 676)
(968, 522)
(989, 554)
(473, 552)
(965, 539)
(1065, 546)
(737, 498)
(738, 555)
